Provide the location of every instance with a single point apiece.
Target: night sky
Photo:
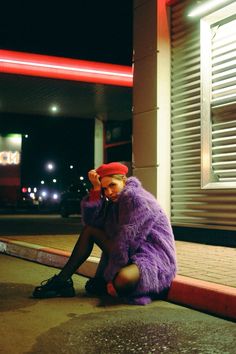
(90, 30)
(87, 29)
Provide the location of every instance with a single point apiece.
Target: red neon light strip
(64, 68)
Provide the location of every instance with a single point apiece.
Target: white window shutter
(191, 205)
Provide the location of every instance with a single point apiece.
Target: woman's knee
(86, 230)
(127, 277)
(92, 232)
(98, 236)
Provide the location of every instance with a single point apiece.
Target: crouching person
(138, 260)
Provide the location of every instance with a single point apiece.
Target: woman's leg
(126, 279)
(83, 248)
(62, 284)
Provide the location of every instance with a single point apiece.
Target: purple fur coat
(142, 235)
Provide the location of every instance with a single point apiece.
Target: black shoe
(96, 286)
(54, 287)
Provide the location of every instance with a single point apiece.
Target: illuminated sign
(9, 158)
(65, 68)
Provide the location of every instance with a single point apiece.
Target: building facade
(184, 102)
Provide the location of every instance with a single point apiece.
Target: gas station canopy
(40, 85)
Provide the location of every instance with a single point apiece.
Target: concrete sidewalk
(206, 277)
(91, 325)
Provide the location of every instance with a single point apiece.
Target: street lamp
(50, 166)
(44, 194)
(54, 108)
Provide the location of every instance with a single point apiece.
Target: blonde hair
(118, 176)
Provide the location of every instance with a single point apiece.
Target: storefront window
(218, 98)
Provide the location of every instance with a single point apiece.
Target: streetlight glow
(54, 108)
(205, 7)
(50, 166)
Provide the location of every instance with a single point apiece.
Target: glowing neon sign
(65, 68)
(9, 158)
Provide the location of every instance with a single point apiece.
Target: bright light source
(44, 193)
(65, 68)
(71, 167)
(207, 6)
(32, 195)
(50, 166)
(15, 139)
(54, 180)
(54, 108)
(9, 158)
(81, 178)
(42, 182)
(29, 189)
(35, 189)
(55, 196)
(24, 189)
(26, 136)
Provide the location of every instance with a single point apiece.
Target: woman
(138, 260)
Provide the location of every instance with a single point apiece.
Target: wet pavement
(89, 325)
(139, 331)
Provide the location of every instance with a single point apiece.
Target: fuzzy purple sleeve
(134, 226)
(91, 211)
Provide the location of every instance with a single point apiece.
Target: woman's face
(112, 187)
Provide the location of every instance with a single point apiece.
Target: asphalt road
(39, 225)
(85, 325)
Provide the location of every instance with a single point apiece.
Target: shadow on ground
(14, 296)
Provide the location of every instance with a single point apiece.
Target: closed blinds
(223, 104)
(190, 205)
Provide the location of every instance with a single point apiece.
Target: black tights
(125, 280)
(83, 248)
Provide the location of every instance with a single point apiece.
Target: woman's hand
(94, 179)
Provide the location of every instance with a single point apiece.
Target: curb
(45, 255)
(216, 299)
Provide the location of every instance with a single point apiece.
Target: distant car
(70, 199)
